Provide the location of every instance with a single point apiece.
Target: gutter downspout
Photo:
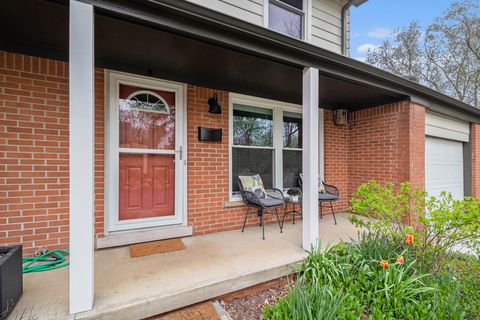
(344, 26)
(345, 8)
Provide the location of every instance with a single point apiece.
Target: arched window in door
(146, 100)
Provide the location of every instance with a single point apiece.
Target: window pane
(292, 167)
(284, 20)
(145, 121)
(249, 161)
(292, 130)
(252, 126)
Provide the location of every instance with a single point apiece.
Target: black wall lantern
(214, 108)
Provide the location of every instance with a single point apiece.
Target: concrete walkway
(210, 266)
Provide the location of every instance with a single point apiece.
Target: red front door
(146, 153)
(147, 186)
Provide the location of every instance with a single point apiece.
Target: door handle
(180, 152)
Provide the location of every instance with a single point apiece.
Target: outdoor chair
(261, 199)
(326, 194)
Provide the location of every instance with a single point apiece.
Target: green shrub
(465, 270)
(443, 225)
(348, 282)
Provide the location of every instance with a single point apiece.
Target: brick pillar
(416, 154)
(416, 151)
(475, 136)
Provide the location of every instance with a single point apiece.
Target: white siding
(248, 10)
(325, 16)
(327, 24)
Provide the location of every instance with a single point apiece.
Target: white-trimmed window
(287, 17)
(266, 139)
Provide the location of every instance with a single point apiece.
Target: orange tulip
(384, 264)
(400, 259)
(409, 239)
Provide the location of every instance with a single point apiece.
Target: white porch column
(81, 73)
(310, 158)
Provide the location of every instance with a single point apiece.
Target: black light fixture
(215, 108)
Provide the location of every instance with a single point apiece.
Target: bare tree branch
(446, 57)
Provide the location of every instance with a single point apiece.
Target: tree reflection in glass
(252, 126)
(146, 124)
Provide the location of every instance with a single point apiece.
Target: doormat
(201, 311)
(162, 246)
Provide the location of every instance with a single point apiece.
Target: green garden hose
(49, 260)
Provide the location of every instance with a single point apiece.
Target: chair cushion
(321, 187)
(327, 197)
(253, 184)
(272, 202)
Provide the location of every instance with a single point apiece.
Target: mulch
(200, 311)
(250, 307)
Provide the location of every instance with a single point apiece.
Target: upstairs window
(287, 17)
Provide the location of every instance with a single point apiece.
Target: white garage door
(444, 167)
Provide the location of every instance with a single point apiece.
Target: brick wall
(336, 159)
(34, 152)
(386, 144)
(475, 160)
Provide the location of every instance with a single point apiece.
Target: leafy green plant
(373, 278)
(448, 226)
(464, 270)
(387, 209)
(442, 224)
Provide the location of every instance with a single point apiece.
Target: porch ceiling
(179, 41)
(142, 49)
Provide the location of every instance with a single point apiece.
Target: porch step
(154, 305)
(131, 237)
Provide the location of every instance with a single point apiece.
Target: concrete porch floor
(210, 266)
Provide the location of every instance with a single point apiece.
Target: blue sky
(375, 20)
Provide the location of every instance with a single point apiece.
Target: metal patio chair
(261, 200)
(329, 195)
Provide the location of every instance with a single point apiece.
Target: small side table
(294, 211)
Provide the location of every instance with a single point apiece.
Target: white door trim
(112, 223)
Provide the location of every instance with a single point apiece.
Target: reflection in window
(147, 121)
(292, 167)
(147, 101)
(292, 149)
(251, 161)
(252, 150)
(292, 130)
(252, 126)
(286, 17)
(255, 148)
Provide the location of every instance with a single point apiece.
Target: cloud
(366, 47)
(380, 33)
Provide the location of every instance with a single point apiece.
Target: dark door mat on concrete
(202, 311)
(162, 246)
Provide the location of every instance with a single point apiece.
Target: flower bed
(393, 271)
